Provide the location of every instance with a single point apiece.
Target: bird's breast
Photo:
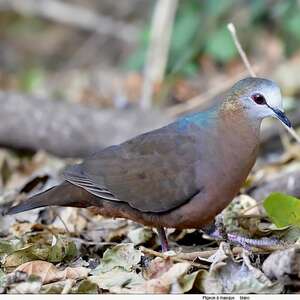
(225, 160)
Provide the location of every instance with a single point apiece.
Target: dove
(179, 176)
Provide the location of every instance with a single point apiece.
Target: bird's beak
(280, 115)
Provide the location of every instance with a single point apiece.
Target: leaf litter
(73, 250)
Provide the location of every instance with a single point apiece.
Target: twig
(242, 53)
(243, 212)
(157, 55)
(197, 254)
(174, 258)
(293, 133)
(72, 14)
(79, 240)
(63, 222)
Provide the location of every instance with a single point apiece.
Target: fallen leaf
(235, 209)
(156, 267)
(62, 250)
(187, 281)
(54, 287)
(163, 283)
(106, 229)
(27, 287)
(117, 277)
(49, 273)
(3, 280)
(7, 247)
(229, 276)
(86, 287)
(72, 219)
(122, 255)
(25, 254)
(140, 235)
(291, 235)
(19, 229)
(282, 265)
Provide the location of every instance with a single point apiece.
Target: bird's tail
(64, 194)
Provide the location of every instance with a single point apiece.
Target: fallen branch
(68, 130)
(74, 15)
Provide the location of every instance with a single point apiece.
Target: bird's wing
(154, 172)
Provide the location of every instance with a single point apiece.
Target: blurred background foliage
(200, 30)
(42, 55)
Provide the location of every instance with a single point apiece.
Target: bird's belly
(220, 186)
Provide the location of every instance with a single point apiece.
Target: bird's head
(259, 98)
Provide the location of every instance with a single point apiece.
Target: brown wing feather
(154, 172)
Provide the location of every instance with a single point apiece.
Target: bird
(178, 176)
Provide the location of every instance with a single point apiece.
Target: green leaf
(26, 254)
(63, 250)
(38, 247)
(283, 209)
(7, 247)
(220, 46)
(86, 287)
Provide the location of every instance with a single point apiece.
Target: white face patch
(272, 96)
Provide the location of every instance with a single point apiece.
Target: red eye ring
(258, 99)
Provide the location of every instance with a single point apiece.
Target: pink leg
(163, 239)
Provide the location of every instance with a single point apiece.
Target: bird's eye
(258, 98)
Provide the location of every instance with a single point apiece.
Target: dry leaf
(122, 255)
(163, 284)
(106, 229)
(72, 219)
(282, 264)
(27, 287)
(49, 273)
(157, 267)
(228, 276)
(117, 278)
(140, 235)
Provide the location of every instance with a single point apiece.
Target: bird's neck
(233, 121)
(238, 142)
